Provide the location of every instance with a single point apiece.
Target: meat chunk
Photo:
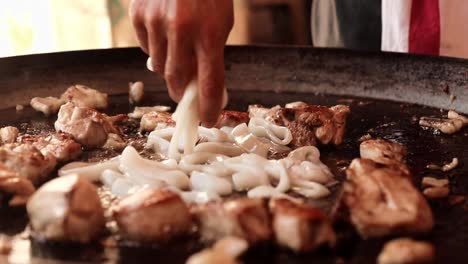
(446, 126)
(454, 123)
(300, 227)
(12, 184)
(8, 134)
(27, 161)
(114, 142)
(47, 105)
(87, 126)
(385, 152)
(258, 111)
(59, 145)
(245, 218)
(406, 251)
(83, 96)
(454, 115)
(380, 200)
(382, 151)
(436, 192)
(224, 251)
(136, 92)
(433, 182)
(152, 120)
(232, 118)
(161, 215)
(139, 111)
(66, 209)
(298, 104)
(309, 125)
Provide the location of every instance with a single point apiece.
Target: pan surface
(270, 76)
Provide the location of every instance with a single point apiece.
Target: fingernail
(149, 64)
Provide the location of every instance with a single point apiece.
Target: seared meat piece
(454, 123)
(139, 111)
(447, 126)
(47, 105)
(224, 251)
(12, 184)
(8, 134)
(244, 218)
(67, 208)
(6, 245)
(436, 192)
(232, 118)
(381, 200)
(83, 96)
(153, 215)
(27, 161)
(454, 115)
(87, 126)
(152, 120)
(406, 251)
(314, 124)
(297, 104)
(136, 91)
(259, 111)
(115, 142)
(59, 145)
(433, 182)
(300, 227)
(382, 151)
(309, 125)
(385, 152)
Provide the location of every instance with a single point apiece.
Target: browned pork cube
(153, 215)
(381, 200)
(27, 161)
(300, 227)
(87, 126)
(244, 218)
(60, 145)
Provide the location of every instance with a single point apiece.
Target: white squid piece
(198, 160)
(248, 171)
(304, 163)
(212, 135)
(90, 171)
(159, 140)
(211, 184)
(121, 186)
(227, 149)
(277, 134)
(248, 141)
(187, 118)
(149, 172)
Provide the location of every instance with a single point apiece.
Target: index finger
(210, 85)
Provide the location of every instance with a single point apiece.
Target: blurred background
(39, 26)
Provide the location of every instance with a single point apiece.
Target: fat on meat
(27, 161)
(245, 218)
(86, 125)
(60, 145)
(310, 125)
(380, 200)
(300, 227)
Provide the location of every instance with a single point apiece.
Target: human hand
(185, 40)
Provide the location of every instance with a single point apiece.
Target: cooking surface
(381, 119)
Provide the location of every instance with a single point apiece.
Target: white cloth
(396, 15)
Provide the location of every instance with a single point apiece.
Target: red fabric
(424, 32)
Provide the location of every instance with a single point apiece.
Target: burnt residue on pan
(379, 119)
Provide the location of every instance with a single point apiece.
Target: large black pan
(272, 76)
